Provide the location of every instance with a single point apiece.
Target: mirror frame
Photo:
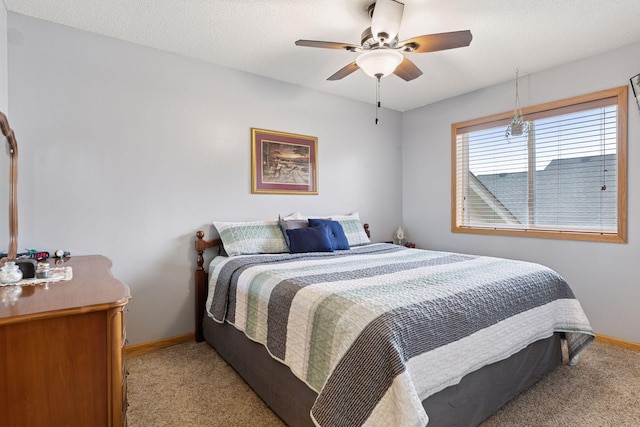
(13, 187)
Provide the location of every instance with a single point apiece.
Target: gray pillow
(291, 224)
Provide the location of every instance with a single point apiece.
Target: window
(564, 178)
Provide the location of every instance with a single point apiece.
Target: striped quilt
(377, 329)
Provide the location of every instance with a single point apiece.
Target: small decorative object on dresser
(62, 350)
(10, 273)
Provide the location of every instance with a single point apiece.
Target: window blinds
(561, 176)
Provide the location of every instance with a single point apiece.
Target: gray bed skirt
(474, 399)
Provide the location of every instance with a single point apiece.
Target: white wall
(128, 151)
(602, 275)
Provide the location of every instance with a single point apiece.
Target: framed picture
(635, 85)
(283, 163)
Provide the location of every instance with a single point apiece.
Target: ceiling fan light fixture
(383, 53)
(385, 20)
(379, 62)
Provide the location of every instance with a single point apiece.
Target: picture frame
(283, 163)
(635, 85)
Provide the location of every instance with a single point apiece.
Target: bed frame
(479, 395)
(202, 279)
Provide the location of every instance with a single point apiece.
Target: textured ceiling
(258, 36)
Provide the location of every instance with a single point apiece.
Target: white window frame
(619, 94)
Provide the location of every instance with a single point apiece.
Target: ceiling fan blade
(407, 70)
(435, 42)
(386, 19)
(344, 71)
(327, 45)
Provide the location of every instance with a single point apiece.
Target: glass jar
(10, 273)
(42, 270)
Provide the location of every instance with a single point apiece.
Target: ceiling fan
(381, 52)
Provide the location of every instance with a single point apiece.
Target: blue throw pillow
(336, 232)
(310, 239)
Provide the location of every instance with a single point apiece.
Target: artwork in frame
(635, 85)
(283, 163)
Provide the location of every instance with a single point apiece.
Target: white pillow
(296, 216)
(253, 237)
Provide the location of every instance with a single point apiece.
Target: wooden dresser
(61, 351)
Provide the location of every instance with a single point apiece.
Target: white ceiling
(258, 36)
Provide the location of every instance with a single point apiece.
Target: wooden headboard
(202, 276)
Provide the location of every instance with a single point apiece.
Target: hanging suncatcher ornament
(518, 126)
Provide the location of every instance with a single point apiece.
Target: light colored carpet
(190, 385)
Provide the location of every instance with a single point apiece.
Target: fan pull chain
(377, 95)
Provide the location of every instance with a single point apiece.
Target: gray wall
(603, 275)
(4, 93)
(128, 151)
(4, 107)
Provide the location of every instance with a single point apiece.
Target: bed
(380, 334)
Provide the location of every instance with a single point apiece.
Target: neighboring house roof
(568, 192)
(492, 209)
